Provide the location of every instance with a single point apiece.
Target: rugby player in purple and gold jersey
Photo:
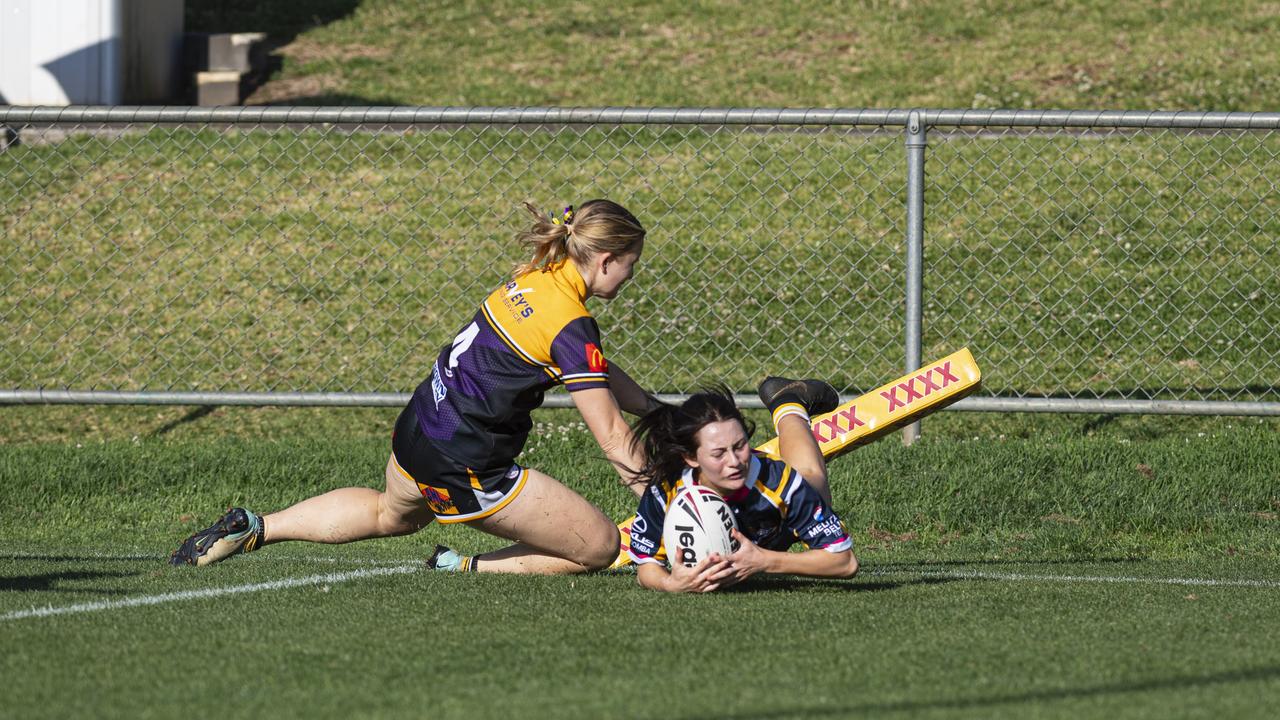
(455, 445)
(776, 503)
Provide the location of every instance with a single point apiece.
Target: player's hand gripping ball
(698, 524)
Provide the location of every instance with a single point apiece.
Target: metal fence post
(916, 142)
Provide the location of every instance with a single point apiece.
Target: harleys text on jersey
(516, 301)
(920, 386)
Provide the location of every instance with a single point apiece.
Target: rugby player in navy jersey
(776, 503)
(455, 445)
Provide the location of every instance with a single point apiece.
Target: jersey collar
(753, 474)
(567, 274)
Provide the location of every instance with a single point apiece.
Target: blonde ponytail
(550, 242)
(598, 226)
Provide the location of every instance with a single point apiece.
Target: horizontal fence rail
(1094, 261)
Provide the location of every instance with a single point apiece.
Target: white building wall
(60, 52)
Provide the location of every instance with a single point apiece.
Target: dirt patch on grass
(279, 91)
(1050, 81)
(1060, 518)
(306, 51)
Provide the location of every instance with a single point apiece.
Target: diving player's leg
(338, 516)
(350, 514)
(792, 403)
(800, 450)
(555, 529)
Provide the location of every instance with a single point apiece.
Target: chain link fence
(1092, 261)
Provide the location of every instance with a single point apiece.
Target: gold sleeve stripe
(593, 379)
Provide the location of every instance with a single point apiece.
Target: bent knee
(601, 549)
(813, 474)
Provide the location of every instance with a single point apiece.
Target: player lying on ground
(776, 503)
(454, 446)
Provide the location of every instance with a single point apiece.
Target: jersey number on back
(460, 345)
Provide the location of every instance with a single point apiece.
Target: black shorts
(453, 491)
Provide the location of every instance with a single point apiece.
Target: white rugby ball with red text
(698, 524)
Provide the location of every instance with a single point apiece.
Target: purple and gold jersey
(529, 335)
(775, 508)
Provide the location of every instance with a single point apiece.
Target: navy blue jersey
(775, 508)
(529, 335)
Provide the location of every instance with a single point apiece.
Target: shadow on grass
(1184, 682)
(282, 21)
(799, 584)
(191, 416)
(81, 558)
(51, 581)
(928, 564)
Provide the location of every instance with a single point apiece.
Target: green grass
(1085, 54)
(970, 602)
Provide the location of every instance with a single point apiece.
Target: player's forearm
(812, 563)
(653, 577)
(631, 397)
(624, 454)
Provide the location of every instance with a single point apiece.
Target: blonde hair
(595, 227)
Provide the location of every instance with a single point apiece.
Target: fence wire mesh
(318, 257)
(1112, 263)
(323, 259)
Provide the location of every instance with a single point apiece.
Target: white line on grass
(1020, 577)
(117, 557)
(208, 592)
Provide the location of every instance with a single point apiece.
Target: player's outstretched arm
(603, 418)
(751, 559)
(631, 397)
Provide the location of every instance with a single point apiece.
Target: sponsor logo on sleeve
(595, 358)
(438, 390)
(642, 544)
(830, 526)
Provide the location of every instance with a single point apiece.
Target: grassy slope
(1089, 54)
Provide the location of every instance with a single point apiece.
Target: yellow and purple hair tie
(564, 219)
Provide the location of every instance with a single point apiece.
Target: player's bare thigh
(403, 500)
(551, 518)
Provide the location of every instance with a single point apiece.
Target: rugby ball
(697, 524)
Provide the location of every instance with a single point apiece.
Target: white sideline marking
(1017, 577)
(95, 555)
(208, 592)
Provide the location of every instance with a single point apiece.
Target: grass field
(1016, 577)
(1014, 566)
